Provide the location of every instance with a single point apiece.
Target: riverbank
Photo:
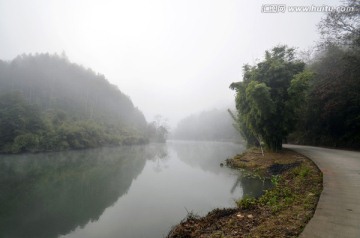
(282, 211)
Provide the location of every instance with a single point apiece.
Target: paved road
(338, 211)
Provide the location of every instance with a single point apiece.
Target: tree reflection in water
(50, 194)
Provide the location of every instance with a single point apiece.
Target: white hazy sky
(173, 58)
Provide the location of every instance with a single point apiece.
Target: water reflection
(160, 156)
(251, 186)
(132, 192)
(46, 195)
(206, 155)
(209, 155)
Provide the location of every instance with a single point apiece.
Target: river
(127, 192)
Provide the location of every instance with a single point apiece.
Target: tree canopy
(266, 98)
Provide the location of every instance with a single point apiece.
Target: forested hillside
(214, 125)
(48, 103)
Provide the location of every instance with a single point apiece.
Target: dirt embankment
(282, 211)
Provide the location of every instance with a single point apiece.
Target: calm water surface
(126, 192)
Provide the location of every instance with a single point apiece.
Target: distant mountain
(48, 103)
(213, 125)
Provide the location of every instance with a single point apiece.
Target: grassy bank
(282, 211)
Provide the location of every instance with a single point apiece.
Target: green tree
(265, 98)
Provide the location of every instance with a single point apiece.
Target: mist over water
(138, 191)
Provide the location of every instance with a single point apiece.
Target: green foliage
(246, 203)
(278, 198)
(275, 180)
(301, 171)
(26, 142)
(18, 122)
(265, 98)
(288, 190)
(53, 131)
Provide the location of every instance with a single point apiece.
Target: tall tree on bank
(267, 98)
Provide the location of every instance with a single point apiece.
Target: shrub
(26, 142)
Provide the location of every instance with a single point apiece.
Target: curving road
(338, 211)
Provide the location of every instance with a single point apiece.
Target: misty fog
(213, 125)
(123, 118)
(173, 58)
